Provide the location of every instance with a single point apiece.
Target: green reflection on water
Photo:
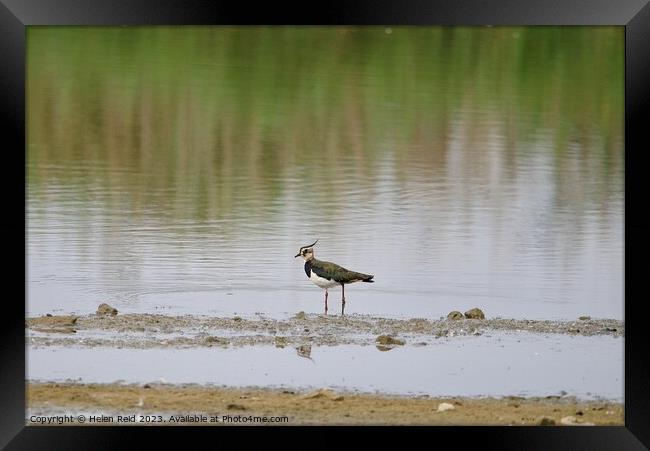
(200, 121)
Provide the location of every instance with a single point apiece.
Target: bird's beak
(297, 255)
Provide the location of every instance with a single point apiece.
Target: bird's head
(307, 252)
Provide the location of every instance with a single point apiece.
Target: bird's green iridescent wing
(338, 273)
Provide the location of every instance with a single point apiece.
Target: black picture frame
(634, 15)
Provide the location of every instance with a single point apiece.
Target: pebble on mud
(455, 315)
(584, 318)
(105, 309)
(547, 422)
(300, 315)
(570, 419)
(475, 313)
(444, 406)
(387, 340)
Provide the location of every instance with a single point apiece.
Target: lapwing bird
(327, 275)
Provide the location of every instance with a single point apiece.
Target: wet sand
(152, 330)
(314, 407)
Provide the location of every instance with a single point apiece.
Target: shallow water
(180, 169)
(495, 364)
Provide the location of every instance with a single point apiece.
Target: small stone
(455, 315)
(475, 313)
(584, 318)
(388, 340)
(105, 309)
(547, 422)
(444, 406)
(146, 386)
(48, 315)
(570, 419)
(300, 315)
(236, 318)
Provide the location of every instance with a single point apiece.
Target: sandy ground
(225, 406)
(149, 330)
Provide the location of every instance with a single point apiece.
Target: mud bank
(151, 330)
(315, 407)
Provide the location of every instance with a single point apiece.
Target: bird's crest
(307, 247)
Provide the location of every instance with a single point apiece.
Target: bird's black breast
(308, 268)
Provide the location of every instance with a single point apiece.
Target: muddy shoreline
(152, 330)
(300, 407)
